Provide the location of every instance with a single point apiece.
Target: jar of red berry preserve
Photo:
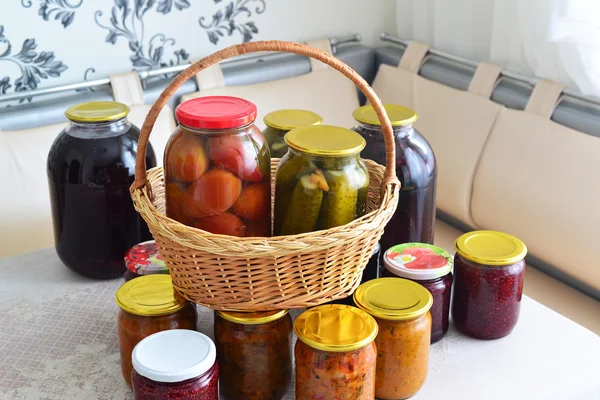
(489, 267)
(414, 218)
(429, 266)
(144, 259)
(177, 364)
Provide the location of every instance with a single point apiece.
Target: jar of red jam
(281, 122)
(177, 364)
(489, 268)
(254, 350)
(335, 353)
(149, 304)
(430, 267)
(144, 259)
(218, 168)
(414, 218)
(401, 309)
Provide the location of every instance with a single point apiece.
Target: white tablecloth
(58, 340)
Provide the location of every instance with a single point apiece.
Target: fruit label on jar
(418, 256)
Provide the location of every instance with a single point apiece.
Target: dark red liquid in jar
(486, 299)
(204, 387)
(414, 218)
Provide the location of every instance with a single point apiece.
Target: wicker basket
(249, 274)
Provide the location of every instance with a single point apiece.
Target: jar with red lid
(144, 259)
(430, 267)
(177, 364)
(218, 168)
(489, 269)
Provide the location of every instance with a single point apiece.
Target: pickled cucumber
(304, 207)
(291, 167)
(339, 203)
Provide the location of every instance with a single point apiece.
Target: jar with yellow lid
(401, 308)
(280, 122)
(335, 353)
(321, 182)
(90, 167)
(254, 350)
(414, 219)
(489, 268)
(149, 304)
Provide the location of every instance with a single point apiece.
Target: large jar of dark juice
(416, 169)
(90, 167)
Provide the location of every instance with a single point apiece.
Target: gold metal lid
(325, 140)
(490, 248)
(398, 115)
(335, 327)
(287, 120)
(252, 318)
(393, 298)
(97, 111)
(149, 295)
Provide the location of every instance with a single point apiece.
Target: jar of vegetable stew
(321, 182)
(281, 122)
(144, 259)
(217, 168)
(176, 364)
(430, 267)
(149, 304)
(335, 353)
(414, 219)
(255, 354)
(401, 308)
(489, 268)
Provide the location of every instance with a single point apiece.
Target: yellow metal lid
(325, 140)
(97, 111)
(398, 115)
(490, 248)
(149, 295)
(287, 120)
(335, 327)
(393, 298)
(252, 318)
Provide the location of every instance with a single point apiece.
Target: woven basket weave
(253, 274)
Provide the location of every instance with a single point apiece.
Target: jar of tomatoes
(217, 168)
(414, 218)
(149, 304)
(281, 122)
(489, 268)
(255, 354)
(401, 308)
(176, 364)
(144, 259)
(321, 182)
(335, 353)
(430, 267)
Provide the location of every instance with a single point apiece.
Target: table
(58, 340)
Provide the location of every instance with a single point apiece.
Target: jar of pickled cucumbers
(335, 353)
(281, 122)
(321, 182)
(401, 308)
(217, 168)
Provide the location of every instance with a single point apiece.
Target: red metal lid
(144, 259)
(216, 112)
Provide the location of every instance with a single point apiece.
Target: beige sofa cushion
(539, 181)
(456, 123)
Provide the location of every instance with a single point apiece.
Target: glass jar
(176, 364)
(255, 353)
(321, 182)
(144, 259)
(90, 167)
(149, 304)
(281, 122)
(401, 308)
(489, 268)
(430, 267)
(218, 168)
(335, 353)
(414, 219)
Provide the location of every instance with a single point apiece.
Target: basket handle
(253, 47)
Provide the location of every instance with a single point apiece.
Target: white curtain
(553, 39)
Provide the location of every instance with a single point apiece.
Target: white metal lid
(174, 355)
(417, 261)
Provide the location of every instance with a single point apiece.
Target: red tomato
(237, 154)
(222, 224)
(185, 159)
(213, 193)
